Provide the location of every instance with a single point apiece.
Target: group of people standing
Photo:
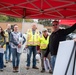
(34, 39)
(48, 45)
(12, 40)
(5, 46)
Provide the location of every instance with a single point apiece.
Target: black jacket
(56, 37)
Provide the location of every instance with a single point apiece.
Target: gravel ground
(22, 70)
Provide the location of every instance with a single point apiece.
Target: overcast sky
(35, 20)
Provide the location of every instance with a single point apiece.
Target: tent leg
(23, 22)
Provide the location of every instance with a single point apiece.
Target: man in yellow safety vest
(8, 47)
(44, 40)
(32, 42)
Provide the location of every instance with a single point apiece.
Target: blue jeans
(31, 49)
(53, 59)
(15, 57)
(1, 61)
(8, 52)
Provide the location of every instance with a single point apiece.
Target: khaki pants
(42, 58)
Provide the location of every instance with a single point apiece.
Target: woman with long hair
(2, 42)
(17, 40)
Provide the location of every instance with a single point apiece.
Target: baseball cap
(44, 30)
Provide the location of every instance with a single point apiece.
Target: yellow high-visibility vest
(6, 36)
(2, 40)
(4, 46)
(43, 42)
(32, 40)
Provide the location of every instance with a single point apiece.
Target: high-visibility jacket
(2, 41)
(6, 36)
(43, 42)
(32, 39)
(4, 46)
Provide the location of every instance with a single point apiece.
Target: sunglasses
(54, 24)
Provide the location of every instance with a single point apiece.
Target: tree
(4, 18)
(45, 22)
(29, 20)
(11, 19)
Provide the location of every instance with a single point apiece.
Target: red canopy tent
(67, 22)
(39, 9)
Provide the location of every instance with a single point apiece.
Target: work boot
(1, 70)
(27, 68)
(43, 70)
(16, 68)
(50, 71)
(4, 66)
(35, 67)
(6, 61)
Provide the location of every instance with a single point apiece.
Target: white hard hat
(37, 56)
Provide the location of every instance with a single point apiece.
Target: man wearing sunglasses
(54, 39)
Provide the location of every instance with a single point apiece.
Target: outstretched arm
(69, 30)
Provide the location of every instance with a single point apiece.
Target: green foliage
(45, 22)
(11, 19)
(29, 20)
(4, 18)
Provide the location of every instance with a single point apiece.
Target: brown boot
(35, 67)
(16, 69)
(27, 68)
(50, 71)
(43, 70)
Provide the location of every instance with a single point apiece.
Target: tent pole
(23, 22)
